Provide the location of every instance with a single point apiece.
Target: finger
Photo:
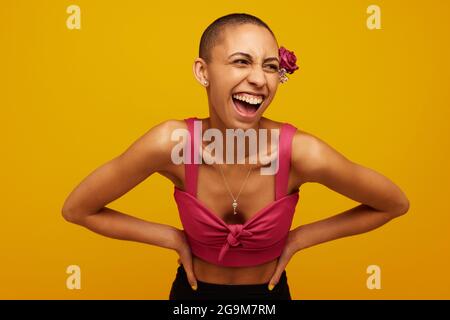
(281, 266)
(190, 276)
(187, 265)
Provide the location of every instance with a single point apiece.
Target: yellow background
(73, 99)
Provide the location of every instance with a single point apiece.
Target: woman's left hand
(289, 250)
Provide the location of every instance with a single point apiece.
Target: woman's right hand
(185, 256)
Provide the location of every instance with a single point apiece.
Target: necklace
(234, 204)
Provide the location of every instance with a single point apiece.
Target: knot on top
(233, 238)
(236, 231)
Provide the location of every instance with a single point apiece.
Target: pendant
(234, 206)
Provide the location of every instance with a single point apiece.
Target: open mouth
(246, 108)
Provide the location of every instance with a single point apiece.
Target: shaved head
(214, 32)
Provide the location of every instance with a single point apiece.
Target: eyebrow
(250, 57)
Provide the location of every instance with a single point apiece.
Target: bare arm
(86, 203)
(381, 200)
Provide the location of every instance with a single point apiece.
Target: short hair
(212, 34)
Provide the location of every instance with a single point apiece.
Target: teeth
(251, 100)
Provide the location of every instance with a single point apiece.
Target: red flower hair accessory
(287, 63)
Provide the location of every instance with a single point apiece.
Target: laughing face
(243, 75)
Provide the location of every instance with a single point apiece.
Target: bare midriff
(211, 273)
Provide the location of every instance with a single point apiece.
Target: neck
(214, 122)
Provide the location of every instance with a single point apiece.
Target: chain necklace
(234, 204)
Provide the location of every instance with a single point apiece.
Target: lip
(244, 115)
(252, 93)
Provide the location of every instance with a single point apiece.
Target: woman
(236, 240)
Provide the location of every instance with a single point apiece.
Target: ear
(200, 70)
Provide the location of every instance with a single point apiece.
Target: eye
(245, 61)
(273, 67)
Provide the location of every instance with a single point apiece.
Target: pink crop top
(260, 239)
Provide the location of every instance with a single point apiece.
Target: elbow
(401, 208)
(70, 215)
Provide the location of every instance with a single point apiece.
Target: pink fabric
(260, 239)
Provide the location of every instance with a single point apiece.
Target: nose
(257, 76)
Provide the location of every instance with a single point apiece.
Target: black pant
(181, 290)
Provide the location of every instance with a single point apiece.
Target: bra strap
(190, 168)
(285, 146)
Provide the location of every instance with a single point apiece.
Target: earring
(205, 82)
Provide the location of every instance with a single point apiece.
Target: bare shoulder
(155, 146)
(149, 153)
(311, 156)
(161, 134)
(314, 160)
(306, 147)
